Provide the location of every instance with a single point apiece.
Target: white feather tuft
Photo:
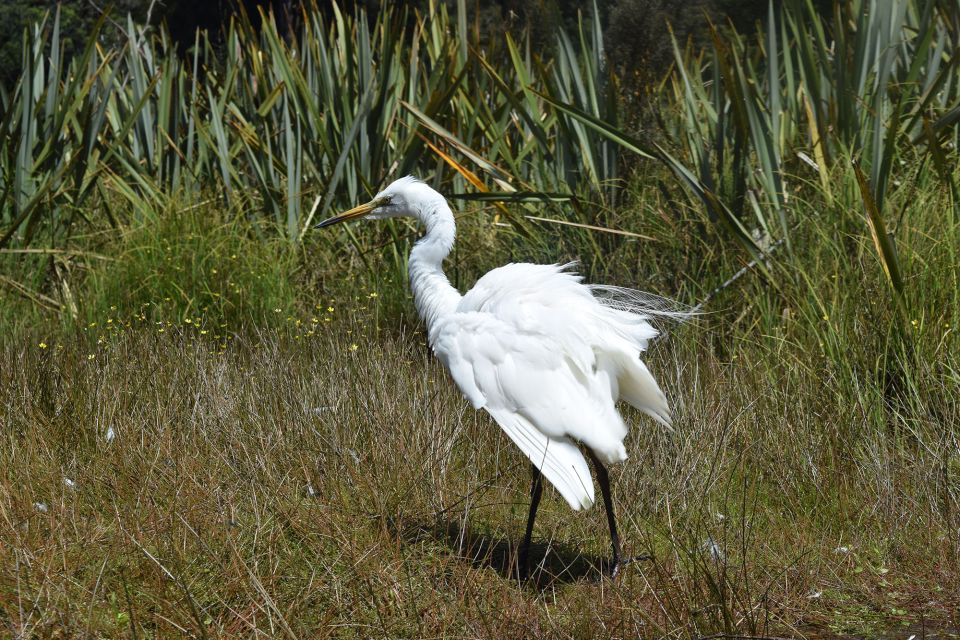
(642, 303)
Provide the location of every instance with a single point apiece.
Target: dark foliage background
(638, 42)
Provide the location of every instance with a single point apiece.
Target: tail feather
(639, 388)
(558, 459)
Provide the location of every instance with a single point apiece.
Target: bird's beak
(356, 212)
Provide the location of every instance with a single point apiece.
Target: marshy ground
(159, 479)
(216, 422)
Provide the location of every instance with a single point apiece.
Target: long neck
(432, 292)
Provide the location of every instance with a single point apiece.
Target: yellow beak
(356, 212)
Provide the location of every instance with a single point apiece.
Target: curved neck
(432, 292)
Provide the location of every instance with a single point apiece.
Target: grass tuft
(192, 264)
(336, 483)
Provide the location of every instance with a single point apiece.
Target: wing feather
(534, 347)
(558, 459)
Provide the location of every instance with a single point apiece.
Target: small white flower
(842, 550)
(111, 434)
(41, 507)
(69, 483)
(711, 547)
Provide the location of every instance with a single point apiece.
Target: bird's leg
(604, 479)
(523, 556)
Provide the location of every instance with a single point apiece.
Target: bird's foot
(619, 563)
(523, 573)
(523, 567)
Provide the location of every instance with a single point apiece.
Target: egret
(547, 356)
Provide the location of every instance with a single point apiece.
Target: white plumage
(547, 356)
(533, 346)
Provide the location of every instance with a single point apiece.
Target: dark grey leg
(523, 556)
(604, 481)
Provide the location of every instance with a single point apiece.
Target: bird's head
(404, 197)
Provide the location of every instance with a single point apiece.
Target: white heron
(544, 354)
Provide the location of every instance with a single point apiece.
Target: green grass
(193, 262)
(337, 484)
(313, 471)
(287, 459)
